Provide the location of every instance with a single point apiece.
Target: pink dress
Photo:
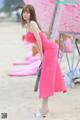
(51, 79)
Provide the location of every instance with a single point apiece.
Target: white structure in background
(3, 15)
(16, 14)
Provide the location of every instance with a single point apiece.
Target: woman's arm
(35, 30)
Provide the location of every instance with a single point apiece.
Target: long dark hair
(31, 10)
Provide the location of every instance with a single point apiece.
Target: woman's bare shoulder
(33, 24)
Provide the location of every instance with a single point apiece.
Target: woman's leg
(44, 107)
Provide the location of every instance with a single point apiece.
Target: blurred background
(10, 10)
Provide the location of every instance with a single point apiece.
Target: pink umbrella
(70, 18)
(30, 69)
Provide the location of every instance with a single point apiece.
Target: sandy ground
(17, 97)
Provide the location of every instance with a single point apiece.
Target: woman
(51, 79)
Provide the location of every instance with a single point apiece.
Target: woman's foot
(44, 112)
(37, 115)
(41, 114)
